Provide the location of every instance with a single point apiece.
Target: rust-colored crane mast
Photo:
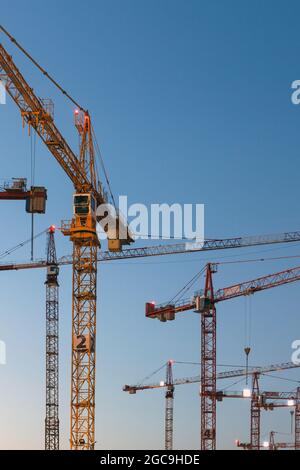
(169, 407)
(205, 305)
(52, 346)
(297, 420)
(255, 415)
(208, 365)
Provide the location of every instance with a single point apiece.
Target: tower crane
(205, 304)
(38, 115)
(89, 194)
(133, 389)
(168, 249)
(52, 346)
(171, 383)
(268, 401)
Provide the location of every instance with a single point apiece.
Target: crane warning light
(266, 445)
(247, 393)
(52, 228)
(76, 111)
(162, 383)
(150, 308)
(291, 403)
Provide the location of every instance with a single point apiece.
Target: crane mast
(255, 415)
(297, 420)
(52, 347)
(82, 232)
(169, 407)
(208, 366)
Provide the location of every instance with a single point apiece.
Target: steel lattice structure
(255, 415)
(52, 348)
(168, 249)
(132, 389)
(83, 346)
(297, 420)
(169, 410)
(208, 367)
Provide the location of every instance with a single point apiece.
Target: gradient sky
(191, 102)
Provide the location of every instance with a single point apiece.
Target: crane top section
(132, 389)
(38, 115)
(202, 303)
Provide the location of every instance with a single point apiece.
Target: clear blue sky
(191, 103)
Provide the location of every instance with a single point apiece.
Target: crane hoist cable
(44, 72)
(247, 347)
(32, 162)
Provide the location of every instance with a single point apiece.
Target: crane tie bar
(44, 72)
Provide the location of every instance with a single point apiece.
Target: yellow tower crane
(89, 194)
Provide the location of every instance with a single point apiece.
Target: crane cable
(103, 168)
(65, 93)
(248, 325)
(44, 72)
(20, 245)
(188, 286)
(32, 162)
